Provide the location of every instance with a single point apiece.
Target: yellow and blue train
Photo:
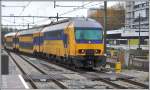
(77, 41)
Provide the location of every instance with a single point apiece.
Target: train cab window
(88, 34)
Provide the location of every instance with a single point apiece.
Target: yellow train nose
(89, 51)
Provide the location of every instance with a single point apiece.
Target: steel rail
(110, 83)
(97, 79)
(43, 72)
(79, 71)
(23, 72)
(135, 83)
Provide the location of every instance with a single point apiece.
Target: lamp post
(139, 30)
(105, 24)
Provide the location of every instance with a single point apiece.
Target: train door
(13, 42)
(65, 40)
(41, 40)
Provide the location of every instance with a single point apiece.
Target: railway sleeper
(42, 78)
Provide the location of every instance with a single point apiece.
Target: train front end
(89, 47)
(88, 44)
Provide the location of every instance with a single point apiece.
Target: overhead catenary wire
(25, 8)
(7, 20)
(47, 17)
(83, 7)
(75, 9)
(78, 8)
(63, 13)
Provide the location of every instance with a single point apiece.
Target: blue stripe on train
(25, 44)
(53, 38)
(89, 41)
(87, 28)
(38, 40)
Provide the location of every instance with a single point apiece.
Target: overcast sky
(44, 9)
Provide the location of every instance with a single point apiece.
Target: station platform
(13, 82)
(14, 79)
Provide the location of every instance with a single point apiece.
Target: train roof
(30, 31)
(86, 22)
(10, 34)
(77, 22)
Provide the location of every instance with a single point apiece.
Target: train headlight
(97, 51)
(105, 54)
(81, 51)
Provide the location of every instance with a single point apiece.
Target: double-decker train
(76, 41)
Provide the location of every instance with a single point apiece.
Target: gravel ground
(45, 85)
(140, 76)
(48, 66)
(74, 76)
(131, 86)
(26, 67)
(77, 81)
(13, 69)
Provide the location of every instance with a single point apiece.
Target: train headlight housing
(97, 51)
(105, 54)
(81, 51)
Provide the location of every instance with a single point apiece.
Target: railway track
(43, 72)
(23, 72)
(130, 81)
(135, 83)
(81, 71)
(31, 81)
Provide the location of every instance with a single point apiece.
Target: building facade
(129, 35)
(134, 9)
